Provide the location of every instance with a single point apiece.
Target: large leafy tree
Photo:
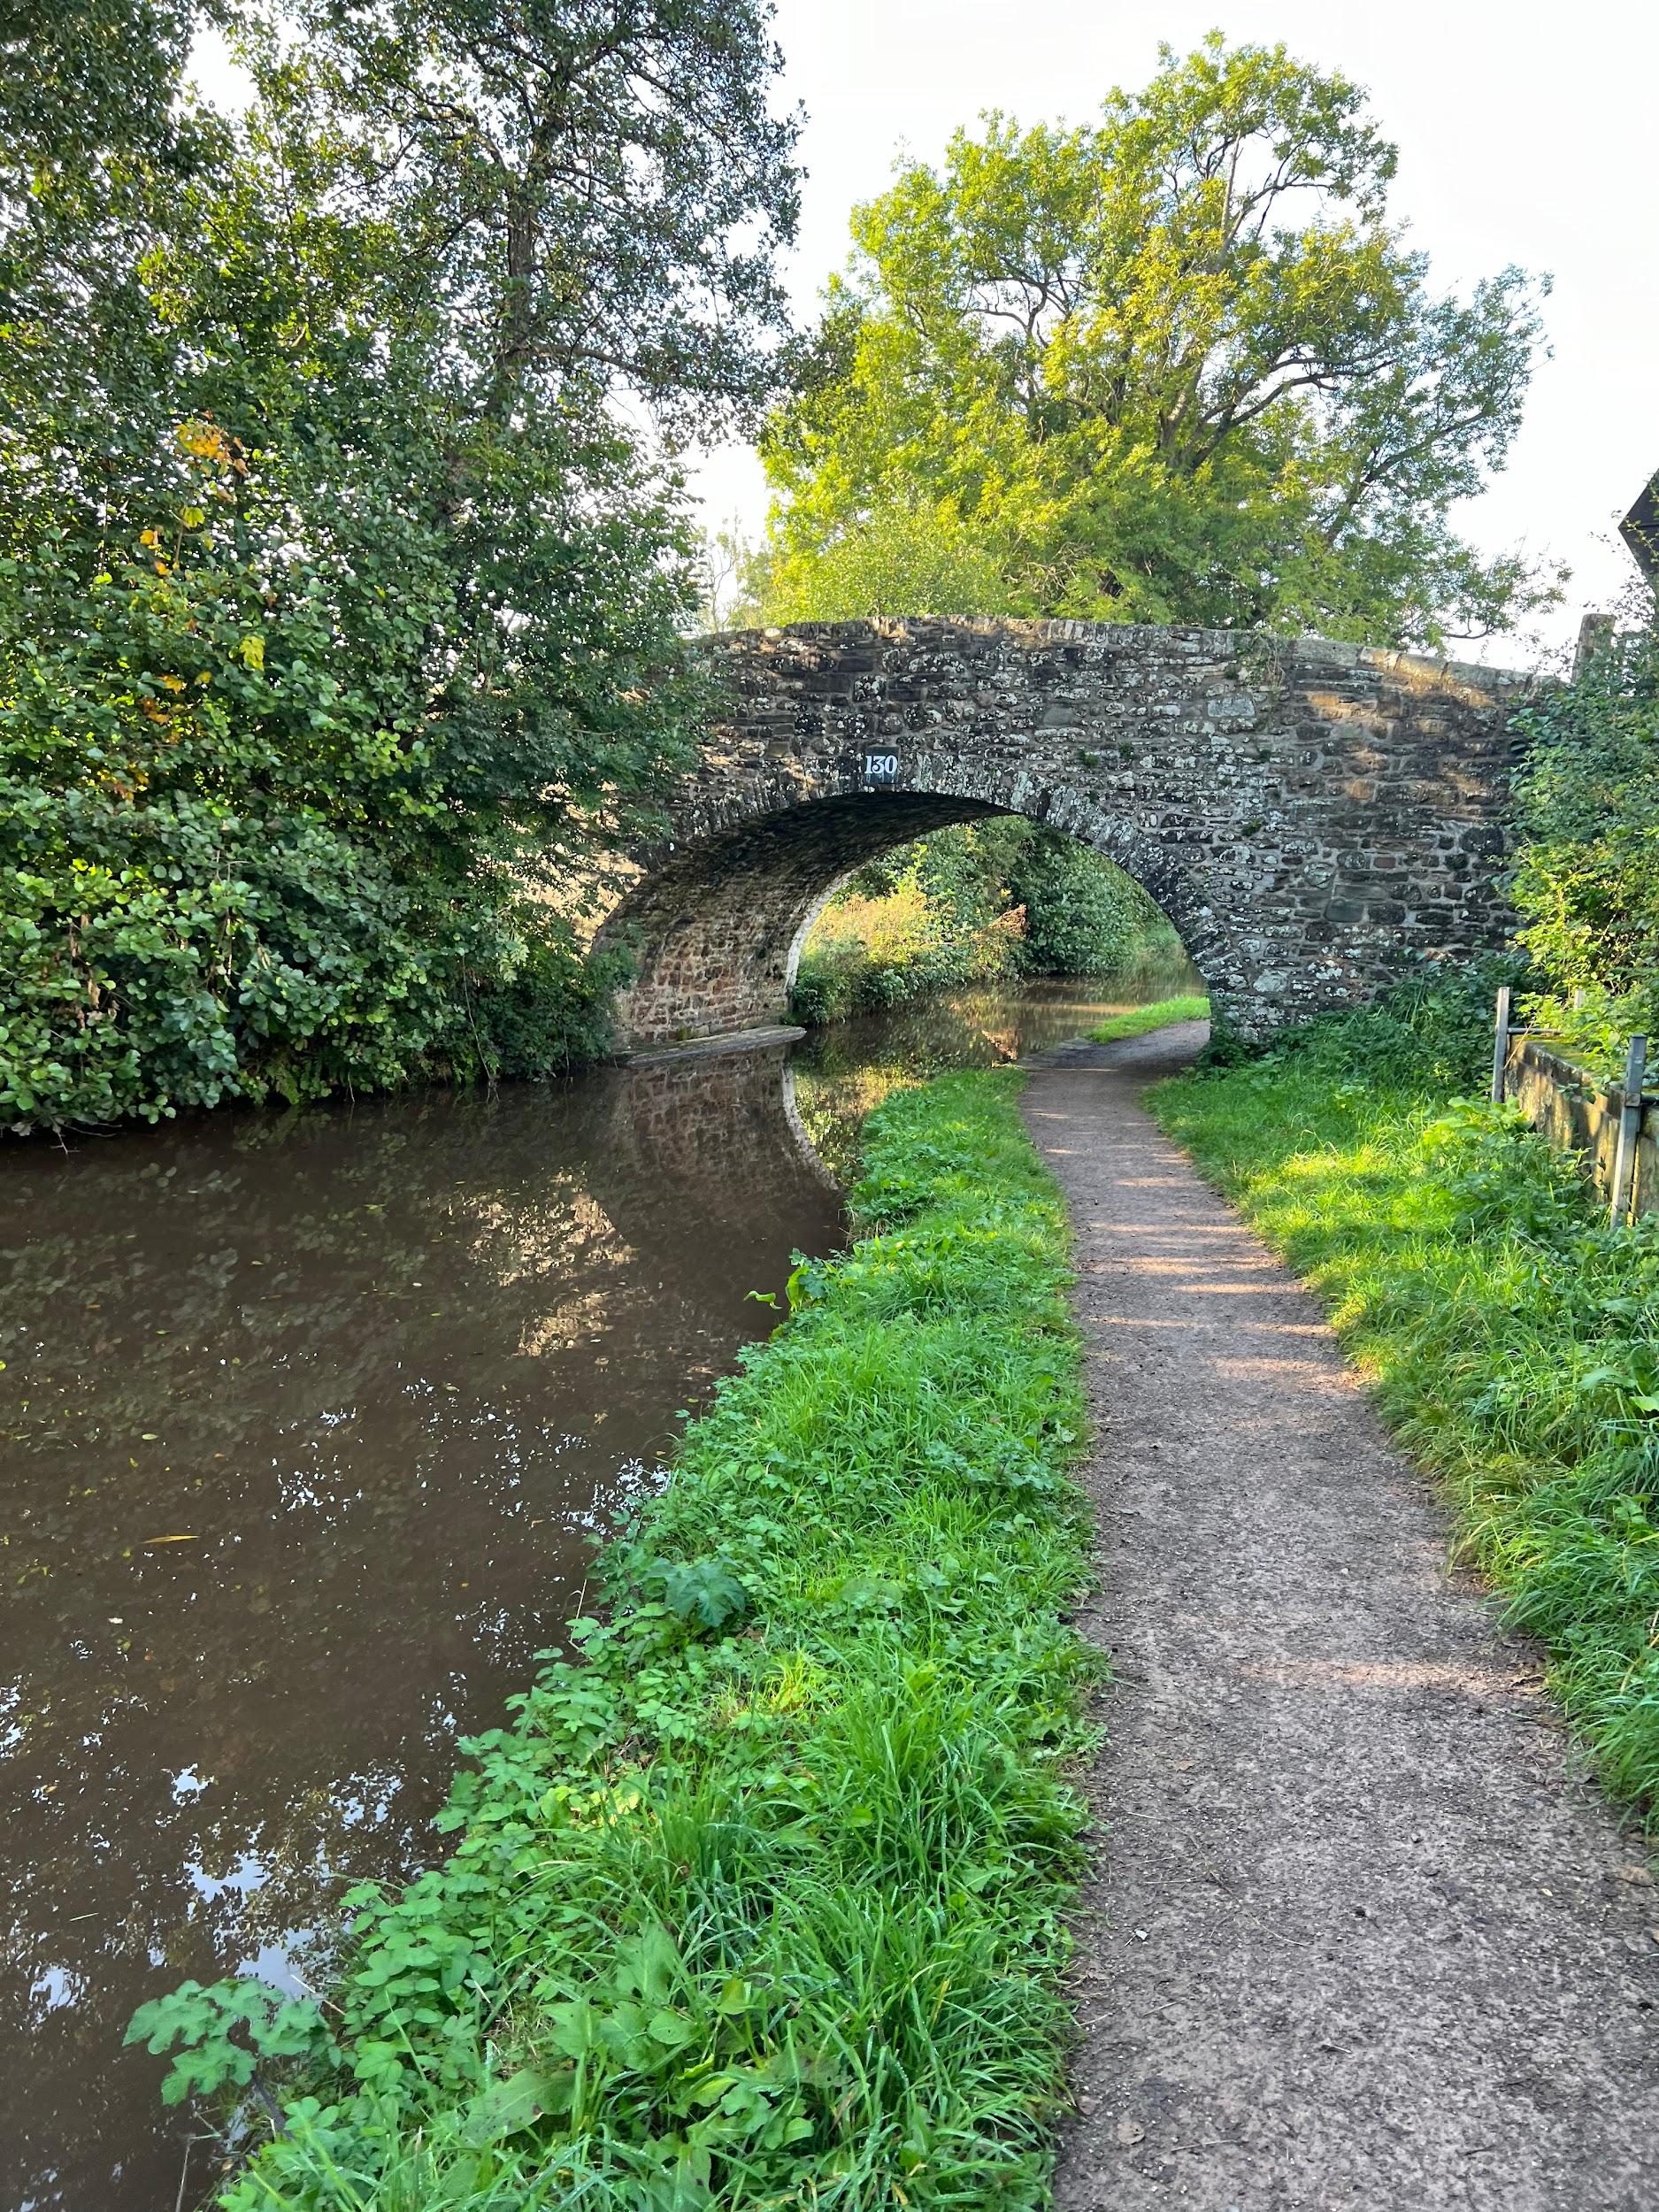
(87, 86)
(339, 610)
(589, 188)
(1177, 365)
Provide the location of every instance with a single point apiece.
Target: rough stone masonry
(1309, 816)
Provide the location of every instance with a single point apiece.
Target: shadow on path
(1361, 1936)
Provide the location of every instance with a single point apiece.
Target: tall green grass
(759, 1902)
(1512, 1337)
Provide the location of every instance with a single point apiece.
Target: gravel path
(1361, 1935)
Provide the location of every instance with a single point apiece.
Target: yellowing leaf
(206, 439)
(253, 651)
(193, 518)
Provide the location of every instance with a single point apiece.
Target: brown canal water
(307, 1424)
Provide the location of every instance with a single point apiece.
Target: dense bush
(1587, 874)
(760, 1901)
(966, 905)
(1431, 1033)
(1083, 916)
(895, 946)
(271, 812)
(339, 617)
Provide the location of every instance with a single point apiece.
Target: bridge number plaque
(880, 767)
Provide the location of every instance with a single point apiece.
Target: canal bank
(308, 1420)
(761, 1898)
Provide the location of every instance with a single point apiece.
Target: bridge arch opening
(988, 903)
(715, 931)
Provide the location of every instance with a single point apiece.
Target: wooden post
(1629, 1131)
(1500, 1043)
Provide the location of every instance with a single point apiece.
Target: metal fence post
(1500, 1041)
(1629, 1131)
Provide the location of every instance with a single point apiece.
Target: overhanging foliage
(339, 615)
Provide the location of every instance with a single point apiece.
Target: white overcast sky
(1526, 133)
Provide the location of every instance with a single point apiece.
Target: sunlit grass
(1510, 1336)
(1139, 1021)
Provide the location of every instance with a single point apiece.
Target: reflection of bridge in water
(682, 1127)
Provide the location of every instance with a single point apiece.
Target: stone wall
(687, 1127)
(1308, 815)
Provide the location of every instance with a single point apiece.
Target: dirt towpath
(1360, 1935)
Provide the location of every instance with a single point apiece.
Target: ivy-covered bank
(759, 1901)
(1513, 1338)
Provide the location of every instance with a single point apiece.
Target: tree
(1586, 873)
(1174, 365)
(339, 609)
(86, 85)
(906, 555)
(1084, 916)
(580, 191)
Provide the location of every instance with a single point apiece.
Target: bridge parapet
(1308, 815)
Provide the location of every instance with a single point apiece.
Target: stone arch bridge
(1308, 815)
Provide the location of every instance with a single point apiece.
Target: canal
(310, 1423)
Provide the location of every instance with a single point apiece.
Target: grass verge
(1139, 1020)
(1513, 1338)
(760, 1900)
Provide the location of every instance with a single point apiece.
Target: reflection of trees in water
(385, 1368)
(843, 1072)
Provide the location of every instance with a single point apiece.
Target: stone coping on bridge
(1260, 645)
